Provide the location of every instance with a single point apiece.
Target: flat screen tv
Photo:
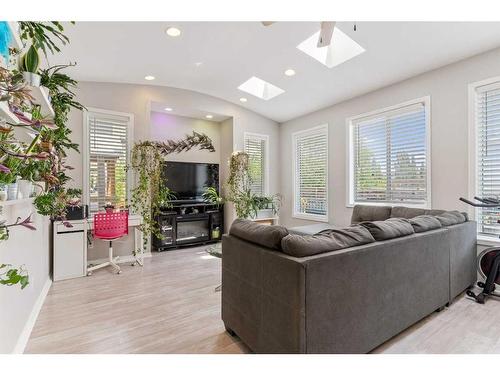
(188, 181)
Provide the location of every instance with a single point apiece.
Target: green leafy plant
(12, 276)
(42, 35)
(211, 195)
(165, 196)
(30, 61)
(53, 203)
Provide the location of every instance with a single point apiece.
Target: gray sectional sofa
(343, 290)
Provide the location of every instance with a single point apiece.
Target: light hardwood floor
(170, 306)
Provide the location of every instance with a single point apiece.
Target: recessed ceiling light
(168, 109)
(289, 72)
(198, 64)
(243, 100)
(260, 88)
(173, 31)
(209, 116)
(149, 78)
(341, 48)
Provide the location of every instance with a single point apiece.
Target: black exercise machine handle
(487, 202)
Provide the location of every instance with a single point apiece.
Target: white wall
(447, 88)
(19, 308)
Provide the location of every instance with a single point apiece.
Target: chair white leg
(111, 260)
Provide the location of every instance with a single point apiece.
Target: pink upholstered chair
(109, 226)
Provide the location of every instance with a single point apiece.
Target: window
(256, 148)
(389, 156)
(310, 199)
(486, 151)
(107, 146)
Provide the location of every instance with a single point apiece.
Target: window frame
(265, 138)
(86, 150)
(323, 128)
(473, 187)
(350, 201)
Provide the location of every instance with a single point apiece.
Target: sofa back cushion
(325, 241)
(423, 223)
(390, 228)
(265, 235)
(370, 213)
(410, 212)
(451, 218)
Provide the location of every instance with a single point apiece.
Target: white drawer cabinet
(70, 251)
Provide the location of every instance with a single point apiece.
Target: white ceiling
(233, 52)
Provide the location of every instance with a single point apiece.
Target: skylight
(341, 49)
(260, 88)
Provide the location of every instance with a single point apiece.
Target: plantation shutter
(488, 156)
(311, 172)
(255, 147)
(108, 158)
(390, 157)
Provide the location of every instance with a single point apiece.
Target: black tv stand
(189, 223)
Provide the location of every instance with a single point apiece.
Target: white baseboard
(123, 259)
(30, 323)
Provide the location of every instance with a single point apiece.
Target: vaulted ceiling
(216, 57)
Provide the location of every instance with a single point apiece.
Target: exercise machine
(488, 262)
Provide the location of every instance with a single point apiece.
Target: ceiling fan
(325, 33)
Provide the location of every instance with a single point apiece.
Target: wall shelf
(7, 114)
(16, 202)
(41, 96)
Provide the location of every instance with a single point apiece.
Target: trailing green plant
(238, 184)
(149, 192)
(211, 195)
(43, 35)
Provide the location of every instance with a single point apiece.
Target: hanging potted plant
(10, 178)
(28, 65)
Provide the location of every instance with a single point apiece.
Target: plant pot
(32, 79)
(265, 213)
(25, 188)
(12, 191)
(46, 146)
(3, 192)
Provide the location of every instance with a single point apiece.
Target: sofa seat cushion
(390, 228)
(411, 212)
(265, 235)
(325, 241)
(310, 229)
(424, 223)
(451, 218)
(369, 213)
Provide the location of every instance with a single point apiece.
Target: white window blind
(311, 173)
(390, 157)
(255, 147)
(488, 156)
(108, 152)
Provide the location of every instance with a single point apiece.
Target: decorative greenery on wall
(150, 194)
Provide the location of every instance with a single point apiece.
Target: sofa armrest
(263, 298)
